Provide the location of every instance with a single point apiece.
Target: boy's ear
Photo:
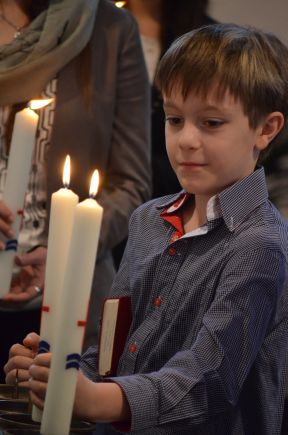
(269, 128)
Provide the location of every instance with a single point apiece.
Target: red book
(115, 325)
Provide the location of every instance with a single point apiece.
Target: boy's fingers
(17, 362)
(38, 388)
(23, 377)
(35, 399)
(18, 350)
(21, 358)
(10, 378)
(39, 374)
(43, 360)
(32, 341)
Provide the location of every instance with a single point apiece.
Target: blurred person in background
(160, 23)
(87, 56)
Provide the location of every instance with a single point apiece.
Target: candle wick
(92, 195)
(66, 185)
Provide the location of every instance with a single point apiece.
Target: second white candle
(74, 304)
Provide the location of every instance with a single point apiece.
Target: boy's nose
(189, 137)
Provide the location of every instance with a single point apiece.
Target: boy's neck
(194, 213)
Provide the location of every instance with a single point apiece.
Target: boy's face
(209, 142)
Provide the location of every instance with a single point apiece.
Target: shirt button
(157, 301)
(172, 251)
(132, 348)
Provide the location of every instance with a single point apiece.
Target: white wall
(269, 15)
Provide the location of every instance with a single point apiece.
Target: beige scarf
(53, 39)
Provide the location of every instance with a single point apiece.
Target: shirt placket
(169, 265)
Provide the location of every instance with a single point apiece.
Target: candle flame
(38, 104)
(66, 172)
(94, 184)
(120, 4)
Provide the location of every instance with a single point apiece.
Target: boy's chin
(200, 192)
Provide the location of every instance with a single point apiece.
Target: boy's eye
(173, 120)
(213, 123)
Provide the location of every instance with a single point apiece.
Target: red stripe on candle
(81, 323)
(20, 212)
(46, 308)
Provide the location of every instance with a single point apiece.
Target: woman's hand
(29, 282)
(20, 359)
(6, 219)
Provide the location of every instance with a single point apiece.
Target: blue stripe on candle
(73, 356)
(11, 245)
(72, 365)
(73, 361)
(43, 347)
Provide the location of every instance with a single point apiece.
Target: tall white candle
(18, 169)
(63, 203)
(75, 298)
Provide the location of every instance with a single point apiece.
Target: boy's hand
(6, 219)
(93, 401)
(20, 358)
(30, 280)
(39, 373)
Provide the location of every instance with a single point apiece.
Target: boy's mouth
(192, 164)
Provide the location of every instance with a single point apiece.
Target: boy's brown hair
(251, 64)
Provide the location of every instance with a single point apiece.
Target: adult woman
(86, 54)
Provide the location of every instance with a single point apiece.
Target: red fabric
(175, 217)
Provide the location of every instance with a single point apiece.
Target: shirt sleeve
(205, 380)
(88, 363)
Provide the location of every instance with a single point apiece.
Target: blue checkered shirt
(210, 356)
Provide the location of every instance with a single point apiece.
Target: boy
(206, 269)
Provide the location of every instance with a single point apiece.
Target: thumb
(32, 341)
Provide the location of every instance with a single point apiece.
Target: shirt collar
(242, 198)
(234, 203)
(166, 202)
